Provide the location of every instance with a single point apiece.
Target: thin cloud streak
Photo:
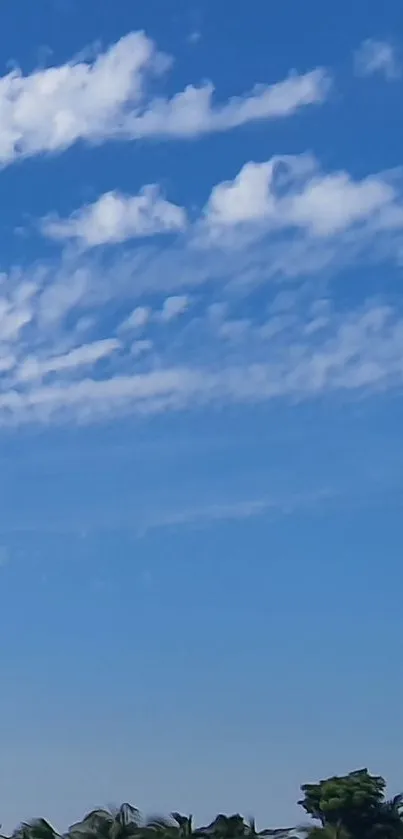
(238, 510)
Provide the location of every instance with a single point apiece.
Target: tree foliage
(353, 806)
(350, 806)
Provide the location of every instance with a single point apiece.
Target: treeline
(353, 806)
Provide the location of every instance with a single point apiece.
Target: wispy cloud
(137, 319)
(237, 510)
(377, 57)
(174, 306)
(85, 355)
(96, 334)
(107, 98)
(192, 112)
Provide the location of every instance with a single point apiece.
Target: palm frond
(35, 829)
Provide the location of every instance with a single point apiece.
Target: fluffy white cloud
(377, 57)
(283, 192)
(116, 218)
(292, 192)
(50, 109)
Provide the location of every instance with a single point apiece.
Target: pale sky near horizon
(201, 369)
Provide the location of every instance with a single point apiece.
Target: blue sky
(201, 365)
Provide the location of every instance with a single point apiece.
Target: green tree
(123, 822)
(235, 827)
(343, 799)
(352, 806)
(388, 821)
(35, 829)
(176, 826)
(276, 833)
(225, 827)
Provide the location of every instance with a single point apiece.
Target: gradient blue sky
(200, 402)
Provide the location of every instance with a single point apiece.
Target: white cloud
(115, 218)
(193, 112)
(138, 348)
(244, 509)
(174, 306)
(164, 386)
(194, 37)
(62, 294)
(292, 192)
(364, 350)
(12, 320)
(333, 202)
(283, 192)
(84, 355)
(234, 330)
(7, 362)
(60, 358)
(377, 57)
(137, 319)
(51, 109)
(246, 198)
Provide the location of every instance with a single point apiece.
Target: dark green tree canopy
(343, 797)
(353, 806)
